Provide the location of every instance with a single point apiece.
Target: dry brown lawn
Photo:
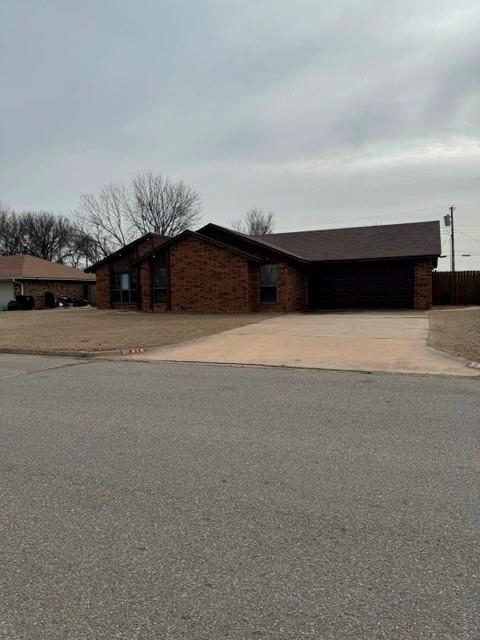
(456, 331)
(93, 330)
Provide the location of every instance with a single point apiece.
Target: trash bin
(25, 302)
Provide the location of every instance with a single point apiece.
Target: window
(125, 287)
(268, 282)
(160, 287)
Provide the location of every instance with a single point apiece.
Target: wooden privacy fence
(460, 287)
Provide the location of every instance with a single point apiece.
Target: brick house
(31, 276)
(217, 269)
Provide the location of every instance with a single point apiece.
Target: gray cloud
(326, 113)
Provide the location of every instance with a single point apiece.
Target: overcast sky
(326, 113)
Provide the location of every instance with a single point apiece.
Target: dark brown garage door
(362, 285)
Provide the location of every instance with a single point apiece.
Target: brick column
(423, 284)
(144, 280)
(104, 287)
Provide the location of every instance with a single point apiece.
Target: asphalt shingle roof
(29, 267)
(412, 239)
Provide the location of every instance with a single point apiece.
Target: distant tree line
(101, 223)
(104, 222)
(45, 235)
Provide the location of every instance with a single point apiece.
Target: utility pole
(449, 222)
(452, 239)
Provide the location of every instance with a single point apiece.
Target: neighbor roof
(24, 267)
(407, 240)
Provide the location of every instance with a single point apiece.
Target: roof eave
(259, 243)
(116, 254)
(72, 279)
(421, 256)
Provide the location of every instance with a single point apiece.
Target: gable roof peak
(195, 234)
(130, 245)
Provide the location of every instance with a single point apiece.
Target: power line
(445, 239)
(398, 213)
(467, 236)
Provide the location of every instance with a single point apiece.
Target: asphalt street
(169, 501)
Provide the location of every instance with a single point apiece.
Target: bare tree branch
(162, 206)
(106, 218)
(255, 223)
(117, 215)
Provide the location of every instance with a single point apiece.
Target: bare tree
(4, 210)
(41, 234)
(105, 218)
(48, 236)
(5, 227)
(87, 249)
(152, 204)
(255, 223)
(12, 237)
(163, 206)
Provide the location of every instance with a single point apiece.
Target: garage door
(6, 293)
(362, 285)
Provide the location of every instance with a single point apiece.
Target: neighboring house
(30, 276)
(219, 270)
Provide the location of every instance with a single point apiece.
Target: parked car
(65, 301)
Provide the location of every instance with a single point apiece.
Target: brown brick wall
(37, 289)
(104, 293)
(144, 284)
(148, 245)
(297, 289)
(122, 264)
(253, 284)
(423, 284)
(291, 289)
(205, 278)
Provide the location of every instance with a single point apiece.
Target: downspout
(20, 285)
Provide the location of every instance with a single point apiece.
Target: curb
(57, 353)
(299, 368)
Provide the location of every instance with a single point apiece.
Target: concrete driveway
(392, 341)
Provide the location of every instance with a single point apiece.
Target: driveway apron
(393, 341)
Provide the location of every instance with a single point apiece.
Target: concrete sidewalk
(366, 341)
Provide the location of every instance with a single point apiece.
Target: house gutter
(20, 284)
